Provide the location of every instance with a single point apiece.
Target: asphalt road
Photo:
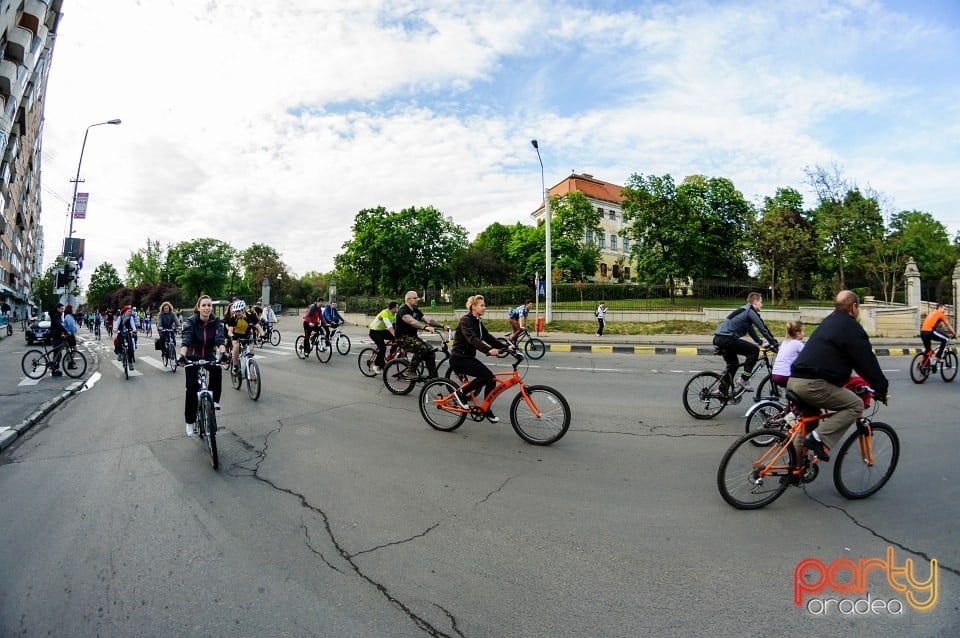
(337, 511)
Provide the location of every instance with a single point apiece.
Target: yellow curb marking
(560, 347)
(687, 351)
(602, 349)
(644, 350)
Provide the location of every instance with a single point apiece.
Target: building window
(589, 238)
(601, 241)
(626, 244)
(616, 271)
(626, 272)
(613, 244)
(603, 270)
(600, 210)
(613, 215)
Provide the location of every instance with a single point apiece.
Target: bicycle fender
(761, 404)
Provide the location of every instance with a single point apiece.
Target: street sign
(80, 206)
(542, 291)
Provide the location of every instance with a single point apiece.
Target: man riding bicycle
(410, 319)
(929, 332)
(727, 338)
(838, 347)
(467, 340)
(518, 319)
(313, 321)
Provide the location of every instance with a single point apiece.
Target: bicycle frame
(505, 381)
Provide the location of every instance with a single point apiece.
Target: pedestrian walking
(601, 314)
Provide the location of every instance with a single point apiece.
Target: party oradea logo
(859, 588)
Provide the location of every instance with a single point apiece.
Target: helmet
(239, 304)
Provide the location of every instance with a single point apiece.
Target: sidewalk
(27, 401)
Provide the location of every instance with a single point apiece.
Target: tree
(259, 261)
(147, 266)
(921, 236)
(784, 242)
(43, 288)
(104, 280)
(573, 218)
(363, 255)
(202, 266)
(720, 218)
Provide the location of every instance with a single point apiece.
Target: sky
(275, 122)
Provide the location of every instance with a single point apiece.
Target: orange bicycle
(539, 414)
(749, 478)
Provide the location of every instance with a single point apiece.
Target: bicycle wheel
(395, 377)
(366, 361)
(236, 377)
(322, 350)
(207, 420)
(171, 357)
(34, 364)
(343, 344)
(275, 337)
(918, 370)
(535, 348)
(853, 475)
(126, 363)
(74, 364)
(253, 379)
(749, 478)
(767, 389)
(553, 419)
(766, 414)
(443, 367)
(702, 397)
(298, 348)
(948, 367)
(439, 408)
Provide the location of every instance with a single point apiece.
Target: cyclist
(57, 332)
(108, 321)
(382, 327)
(97, 320)
(267, 318)
(313, 321)
(727, 337)
(202, 338)
(241, 324)
(929, 332)
(147, 321)
(518, 319)
(838, 347)
(470, 337)
(167, 320)
(787, 353)
(410, 319)
(332, 316)
(126, 326)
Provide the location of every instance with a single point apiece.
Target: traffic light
(70, 271)
(59, 280)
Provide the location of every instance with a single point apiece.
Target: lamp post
(548, 275)
(76, 182)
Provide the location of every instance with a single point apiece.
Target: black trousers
(193, 386)
(380, 338)
(730, 347)
(471, 367)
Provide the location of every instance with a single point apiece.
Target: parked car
(39, 330)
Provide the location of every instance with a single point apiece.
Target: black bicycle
(400, 378)
(66, 357)
(319, 345)
(708, 393)
(206, 414)
(125, 338)
(168, 348)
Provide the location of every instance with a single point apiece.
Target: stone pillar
(956, 290)
(265, 291)
(911, 278)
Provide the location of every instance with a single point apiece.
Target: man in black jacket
(57, 333)
(727, 337)
(839, 346)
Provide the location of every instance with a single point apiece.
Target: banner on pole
(80, 206)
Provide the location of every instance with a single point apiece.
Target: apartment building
(614, 245)
(27, 33)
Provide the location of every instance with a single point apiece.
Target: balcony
(34, 14)
(13, 77)
(19, 43)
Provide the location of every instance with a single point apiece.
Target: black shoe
(56, 373)
(493, 418)
(817, 447)
(462, 401)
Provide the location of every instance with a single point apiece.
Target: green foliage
(104, 280)
(572, 217)
(202, 266)
(259, 261)
(147, 266)
(43, 292)
(784, 242)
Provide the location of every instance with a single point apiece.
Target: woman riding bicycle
(202, 338)
(470, 337)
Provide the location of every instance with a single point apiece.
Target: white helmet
(239, 304)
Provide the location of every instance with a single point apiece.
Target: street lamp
(548, 302)
(76, 182)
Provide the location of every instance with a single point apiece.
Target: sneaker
(236, 371)
(745, 384)
(56, 373)
(190, 427)
(461, 400)
(377, 370)
(216, 406)
(130, 365)
(816, 446)
(493, 418)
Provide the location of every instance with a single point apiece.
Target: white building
(614, 245)
(28, 32)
